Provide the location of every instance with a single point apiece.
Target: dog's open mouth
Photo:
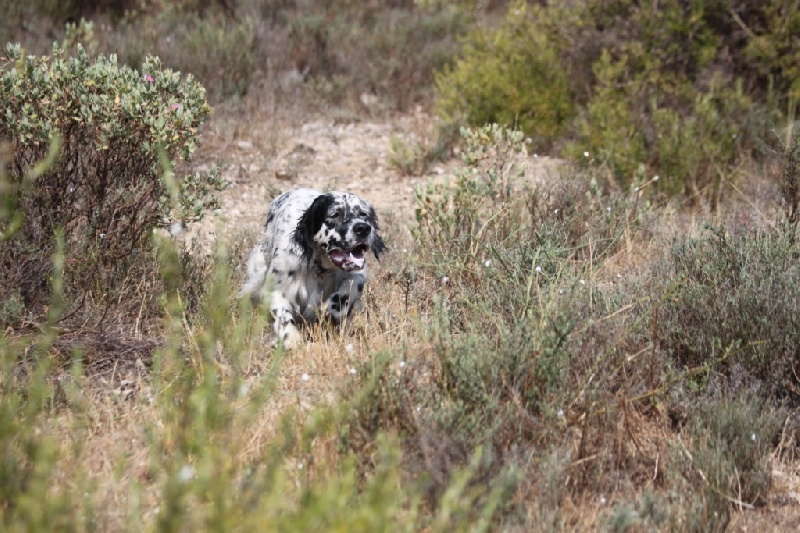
(352, 259)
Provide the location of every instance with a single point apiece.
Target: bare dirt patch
(262, 157)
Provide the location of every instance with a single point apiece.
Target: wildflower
(300, 466)
(753, 437)
(655, 178)
(585, 154)
(538, 269)
(175, 229)
(488, 263)
(445, 280)
(186, 473)
(402, 364)
(149, 78)
(175, 107)
(305, 377)
(602, 500)
(582, 281)
(348, 348)
(560, 413)
(352, 371)
(636, 189)
(536, 156)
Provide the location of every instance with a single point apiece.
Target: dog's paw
(288, 337)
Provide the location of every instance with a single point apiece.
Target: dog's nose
(361, 229)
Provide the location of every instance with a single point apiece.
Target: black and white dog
(312, 259)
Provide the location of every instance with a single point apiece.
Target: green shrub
(511, 75)
(610, 131)
(118, 129)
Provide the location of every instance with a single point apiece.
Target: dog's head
(339, 228)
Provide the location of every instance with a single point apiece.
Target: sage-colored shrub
(511, 75)
(119, 131)
(731, 303)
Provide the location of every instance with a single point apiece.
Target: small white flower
(655, 178)
(175, 229)
(305, 377)
(560, 413)
(349, 348)
(419, 408)
(636, 189)
(608, 209)
(619, 275)
(102, 235)
(555, 211)
(538, 269)
(402, 364)
(445, 280)
(585, 154)
(753, 437)
(244, 388)
(186, 473)
(300, 466)
(582, 281)
(536, 156)
(352, 370)
(488, 263)
(602, 500)
(528, 140)
(405, 251)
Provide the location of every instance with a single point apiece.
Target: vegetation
(584, 352)
(111, 130)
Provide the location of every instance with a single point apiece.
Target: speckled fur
(292, 263)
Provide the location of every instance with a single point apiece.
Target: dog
(311, 260)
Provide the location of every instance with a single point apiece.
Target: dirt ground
(264, 156)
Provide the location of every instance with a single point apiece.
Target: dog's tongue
(348, 259)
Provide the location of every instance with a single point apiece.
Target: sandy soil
(265, 157)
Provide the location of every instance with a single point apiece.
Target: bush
(510, 75)
(118, 130)
(219, 49)
(731, 303)
(684, 90)
(390, 51)
(729, 463)
(517, 339)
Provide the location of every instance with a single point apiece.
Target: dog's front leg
(347, 299)
(286, 330)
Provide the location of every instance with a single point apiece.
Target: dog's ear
(378, 246)
(309, 224)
